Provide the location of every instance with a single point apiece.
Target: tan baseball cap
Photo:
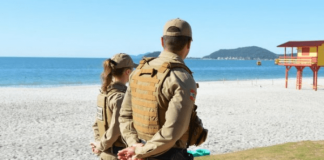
(185, 29)
(123, 60)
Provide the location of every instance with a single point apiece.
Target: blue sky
(101, 28)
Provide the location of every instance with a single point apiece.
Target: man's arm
(180, 84)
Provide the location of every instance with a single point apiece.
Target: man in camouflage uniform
(155, 114)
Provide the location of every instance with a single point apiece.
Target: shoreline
(290, 81)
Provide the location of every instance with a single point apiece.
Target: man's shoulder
(182, 72)
(181, 76)
(179, 72)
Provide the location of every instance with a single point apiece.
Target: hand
(129, 153)
(126, 154)
(94, 148)
(133, 158)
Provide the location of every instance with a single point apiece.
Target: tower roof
(302, 44)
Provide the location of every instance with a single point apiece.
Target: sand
(55, 123)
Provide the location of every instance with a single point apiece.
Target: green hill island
(243, 53)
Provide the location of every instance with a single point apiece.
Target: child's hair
(110, 71)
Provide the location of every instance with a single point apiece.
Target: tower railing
(288, 60)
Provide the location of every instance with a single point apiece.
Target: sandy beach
(55, 123)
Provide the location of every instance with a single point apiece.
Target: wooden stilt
(313, 69)
(297, 80)
(299, 77)
(287, 69)
(315, 80)
(316, 74)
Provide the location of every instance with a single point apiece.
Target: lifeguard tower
(309, 54)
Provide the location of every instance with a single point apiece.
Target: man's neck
(180, 53)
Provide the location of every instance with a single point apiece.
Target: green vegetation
(244, 53)
(306, 150)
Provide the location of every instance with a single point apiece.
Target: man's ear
(162, 43)
(189, 45)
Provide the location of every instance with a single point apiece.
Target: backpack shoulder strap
(180, 65)
(143, 61)
(171, 65)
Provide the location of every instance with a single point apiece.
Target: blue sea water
(83, 71)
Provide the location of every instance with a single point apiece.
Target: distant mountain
(148, 54)
(193, 58)
(153, 54)
(288, 54)
(140, 56)
(243, 53)
(157, 53)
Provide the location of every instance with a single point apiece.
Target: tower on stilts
(309, 54)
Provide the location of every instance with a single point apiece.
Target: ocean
(40, 72)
